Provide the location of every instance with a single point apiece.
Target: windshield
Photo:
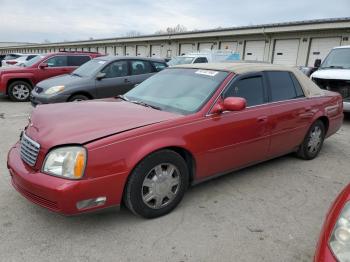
(337, 58)
(180, 60)
(178, 90)
(89, 68)
(33, 60)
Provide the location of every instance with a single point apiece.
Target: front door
(238, 139)
(116, 80)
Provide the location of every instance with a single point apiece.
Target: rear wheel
(157, 184)
(313, 141)
(19, 91)
(77, 98)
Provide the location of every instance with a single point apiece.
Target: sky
(69, 20)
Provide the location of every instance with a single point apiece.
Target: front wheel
(313, 141)
(157, 184)
(19, 91)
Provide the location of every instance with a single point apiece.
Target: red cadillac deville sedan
(334, 242)
(182, 126)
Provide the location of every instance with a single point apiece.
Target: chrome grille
(29, 150)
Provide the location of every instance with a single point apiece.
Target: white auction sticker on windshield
(207, 72)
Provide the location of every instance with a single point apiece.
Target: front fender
(6, 78)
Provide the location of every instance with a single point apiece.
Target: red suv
(18, 82)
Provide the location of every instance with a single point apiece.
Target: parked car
(182, 126)
(101, 77)
(334, 73)
(11, 56)
(205, 57)
(334, 241)
(18, 61)
(1, 58)
(18, 82)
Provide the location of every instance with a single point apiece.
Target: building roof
(328, 23)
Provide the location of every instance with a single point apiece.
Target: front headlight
(54, 90)
(340, 238)
(68, 162)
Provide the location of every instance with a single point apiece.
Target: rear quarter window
(78, 60)
(159, 66)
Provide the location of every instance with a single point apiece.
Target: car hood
(13, 69)
(336, 74)
(66, 80)
(81, 122)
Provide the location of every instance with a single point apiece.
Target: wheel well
(325, 121)
(189, 159)
(87, 94)
(18, 79)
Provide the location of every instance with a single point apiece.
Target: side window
(158, 66)
(250, 88)
(298, 88)
(201, 60)
(78, 60)
(57, 61)
(30, 57)
(281, 85)
(139, 67)
(116, 69)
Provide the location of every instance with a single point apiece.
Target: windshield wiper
(138, 102)
(122, 97)
(145, 104)
(75, 74)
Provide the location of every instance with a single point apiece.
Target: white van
(204, 57)
(334, 73)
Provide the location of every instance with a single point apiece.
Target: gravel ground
(269, 212)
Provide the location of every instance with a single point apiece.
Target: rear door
(116, 80)
(140, 70)
(291, 112)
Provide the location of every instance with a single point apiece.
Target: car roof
(309, 87)
(115, 58)
(344, 46)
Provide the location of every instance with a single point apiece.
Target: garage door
(205, 47)
(130, 51)
(93, 49)
(231, 45)
(141, 51)
(320, 47)
(110, 50)
(119, 51)
(155, 51)
(254, 50)
(286, 52)
(186, 48)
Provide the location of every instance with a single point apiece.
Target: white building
(291, 43)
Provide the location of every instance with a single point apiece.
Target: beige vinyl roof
(309, 87)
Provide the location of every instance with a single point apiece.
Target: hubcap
(160, 186)
(21, 92)
(315, 139)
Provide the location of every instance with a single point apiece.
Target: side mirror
(43, 65)
(230, 104)
(317, 63)
(100, 76)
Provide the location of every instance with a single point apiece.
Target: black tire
(19, 91)
(134, 192)
(309, 149)
(77, 98)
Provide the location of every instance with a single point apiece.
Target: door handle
(127, 80)
(262, 119)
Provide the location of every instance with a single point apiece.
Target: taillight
(11, 62)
